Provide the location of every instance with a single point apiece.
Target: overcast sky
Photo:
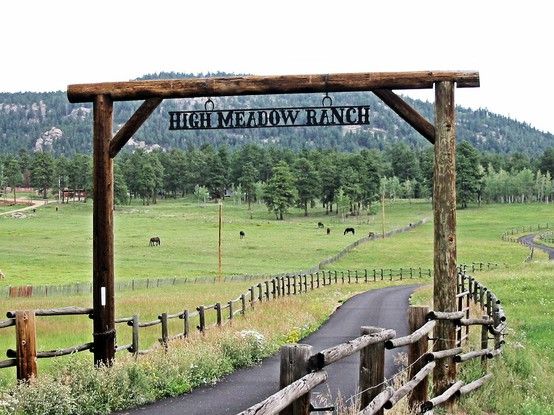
(49, 44)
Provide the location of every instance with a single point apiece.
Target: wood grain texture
(407, 113)
(265, 85)
(444, 206)
(102, 229)
(26, 345)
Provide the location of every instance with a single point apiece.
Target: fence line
(375, 392)
(208, 316)
(508, 235)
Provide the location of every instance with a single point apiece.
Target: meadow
(524, 375)
(55, 246)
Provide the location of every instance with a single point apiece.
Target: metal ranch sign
(269, 117)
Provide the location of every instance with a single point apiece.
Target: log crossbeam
(267, 85)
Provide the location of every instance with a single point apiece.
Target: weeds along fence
(547, 237)
(301, 370)
(509, 234)
(203, 318)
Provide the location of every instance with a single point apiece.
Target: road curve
(386, 307)
(528, 240)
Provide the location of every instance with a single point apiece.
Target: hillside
(47, 120)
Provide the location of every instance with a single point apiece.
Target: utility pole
(383, 214)
(219, 272)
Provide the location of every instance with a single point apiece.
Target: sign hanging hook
(209, 103)
(326, 98)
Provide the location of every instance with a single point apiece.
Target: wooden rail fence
(302, 371)
(509, 234)
(203, 318)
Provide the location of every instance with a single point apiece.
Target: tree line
(281, 178)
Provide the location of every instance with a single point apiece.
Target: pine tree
(42, 172)
(280, 193)
(307, 182)
(467, 173)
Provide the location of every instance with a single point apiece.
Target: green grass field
(54, 247)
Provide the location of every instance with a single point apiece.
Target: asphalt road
(528, 240)
(385, 308)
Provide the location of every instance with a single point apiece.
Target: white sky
(49, 44)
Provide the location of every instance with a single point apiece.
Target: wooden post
(186, 323)
(266, 290)
(252, 296)
(484, 343)
(218, 313)
(135, 340)
(260, 292)
(230, 310)
(372, 369)
(444, 206)
(294, 365)
(273, 288)
(383, 214)
(243, 303)
(25, 333)
(165, 331)
(201, 319)
(416, 319)
(219, 253)
(102, 231)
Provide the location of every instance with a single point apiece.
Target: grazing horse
(242, 234)
(328, 231)
(155, 240)
(320, 225)
(347, 230)
(371, 234)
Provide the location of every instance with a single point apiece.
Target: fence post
(484, 343)
(218, 313)
(165, 336)
(186, 323)
(372, 369)
(230, 310)
(201, 319)
(25, 331)
(266, 283)
(251, 289)
(243, 303)
(135, 339)
(305, 283)
(288, 284)
(312, 281)
(335, 276)
(294, 365)
(342, 276)
(273, 288)
(260, 292)
(348, 276)
(294, 284)
(416, 319)
(365, 275)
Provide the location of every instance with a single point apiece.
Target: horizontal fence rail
(376, 392)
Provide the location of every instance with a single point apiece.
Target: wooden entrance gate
(442, 133)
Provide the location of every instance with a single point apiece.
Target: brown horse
(155, 240)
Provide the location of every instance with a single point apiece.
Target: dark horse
(155, 240)
(242, 234)
(347, 230)
(320, 225)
